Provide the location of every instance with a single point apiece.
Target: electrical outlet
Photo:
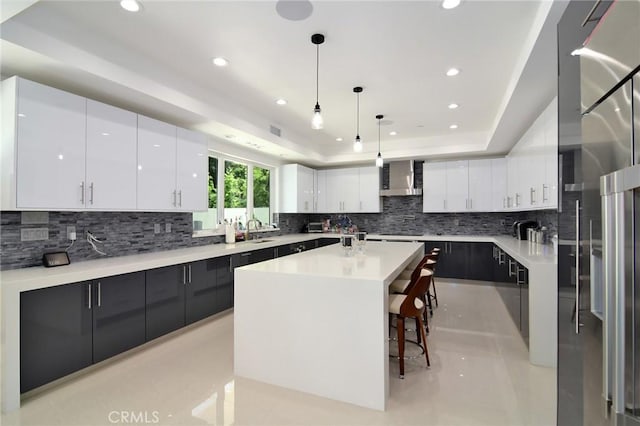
(71, 233)
(167, 227)
(156, 228)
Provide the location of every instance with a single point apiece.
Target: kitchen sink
(260, 241)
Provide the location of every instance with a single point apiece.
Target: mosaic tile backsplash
(126, 233)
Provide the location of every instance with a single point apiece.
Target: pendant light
(316, 121)
(379, 160)
(357, 143)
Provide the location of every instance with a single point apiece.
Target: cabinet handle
(501, 257)
(230, 264)
(189, 273)
(532, 195)
(577, 266)
(180, 198)
(99, 295)
(544, 197)
(517, 199)
(82, 192)
(508, 202)
(184, 275)
(89, 298)
(504, 202)
(518, 271)
(91, 193)
(360, 205)
(470, 203)
(245, 254)
(511, 272)
(174, 199)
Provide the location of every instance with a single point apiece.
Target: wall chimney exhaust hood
(401, 179)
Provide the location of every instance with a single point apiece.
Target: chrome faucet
(255, 226)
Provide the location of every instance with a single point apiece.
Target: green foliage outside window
(260, 187)
(213, 186)
(235, 185)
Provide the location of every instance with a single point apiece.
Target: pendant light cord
(358, 115)
(379, 136)
(317, 70)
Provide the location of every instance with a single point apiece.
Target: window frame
(222, 159)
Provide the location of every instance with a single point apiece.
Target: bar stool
(401, 284)
(436, 252)
(410, 305)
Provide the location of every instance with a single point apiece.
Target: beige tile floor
(479, 375)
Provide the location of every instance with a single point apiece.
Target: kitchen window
(242, 189)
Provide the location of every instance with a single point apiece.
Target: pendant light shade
(379, 160)
(357, 143)
(317, 122)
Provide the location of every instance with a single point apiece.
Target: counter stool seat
(395, 301)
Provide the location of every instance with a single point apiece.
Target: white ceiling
(158, 62)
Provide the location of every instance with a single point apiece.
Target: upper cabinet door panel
(370, 190)
(156, 165)
(480, 189)
(498, 184)
(111, 157)
(612, 51)
(434, 187)
(192, 170)
(457, 186)
(51, 127)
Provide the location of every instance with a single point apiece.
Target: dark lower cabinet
(201, 290)
(512, 283)
(464, 260)
(224, 280)
(165, 299)
(118, 314)
(261, 255)
(323, 242)
(523, 284)
(55, 333)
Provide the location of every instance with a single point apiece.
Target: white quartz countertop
(529, 255)
(379, 261)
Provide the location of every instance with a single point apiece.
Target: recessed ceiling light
(450, 4)
(453, 126)
(220, 61)
(130, 5)
(338, 139)
(453, 106)
(281, 101)
(393, 133)
(617, 109)
(453, 71)
(105, 134)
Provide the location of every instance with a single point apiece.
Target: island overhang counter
(317, 321)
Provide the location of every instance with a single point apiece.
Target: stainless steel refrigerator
(598, 291)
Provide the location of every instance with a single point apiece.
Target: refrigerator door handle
(619, 317)
(577, 315)
(608, 282)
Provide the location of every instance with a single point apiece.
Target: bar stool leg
(400, 324)
(424, 339)
(435, 294)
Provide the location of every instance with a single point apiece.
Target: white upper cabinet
(321, 191)
(191, 171)
(111, 157)
(550, 186)
(296, 189)
(47, 137)
(434, 187)
(156, 165)
(457, 186)
(498, 184)
(480, 186)
(370, 201)
(343, 190)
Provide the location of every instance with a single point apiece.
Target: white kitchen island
(317, 321)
